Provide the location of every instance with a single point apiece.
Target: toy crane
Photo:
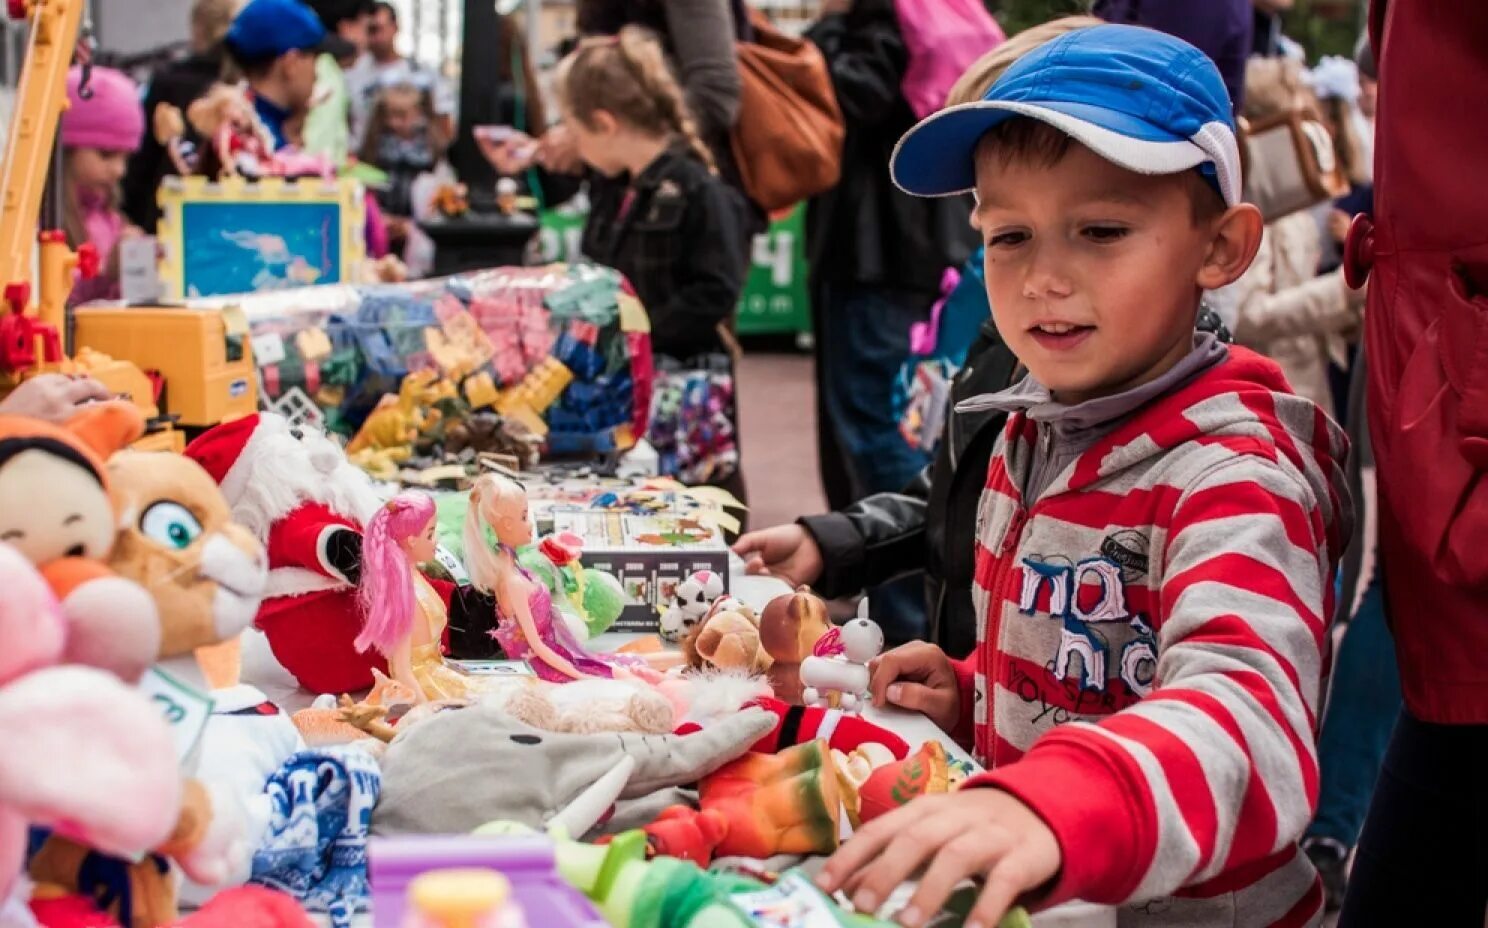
(32, 334)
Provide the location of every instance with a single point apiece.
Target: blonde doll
(528, 627)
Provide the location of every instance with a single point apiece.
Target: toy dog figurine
(839, 665)
(690, 602)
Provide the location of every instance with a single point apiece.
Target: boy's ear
(1236, 239)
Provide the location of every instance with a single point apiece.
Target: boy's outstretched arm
(1216, 768)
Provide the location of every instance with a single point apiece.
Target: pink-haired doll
(403, 616)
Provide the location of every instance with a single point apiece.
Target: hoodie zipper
(996, 598)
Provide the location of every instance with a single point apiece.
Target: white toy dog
(691, 601)
(839, 664)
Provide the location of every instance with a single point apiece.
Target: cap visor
(938, 156)
(336, 47)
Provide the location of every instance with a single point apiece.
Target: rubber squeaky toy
(838, 665)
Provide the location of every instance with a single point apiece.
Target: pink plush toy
(89, 756)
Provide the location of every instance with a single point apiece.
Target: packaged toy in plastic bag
(693, 419)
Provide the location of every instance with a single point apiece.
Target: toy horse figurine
(838, 666)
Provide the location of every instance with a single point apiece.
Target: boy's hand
(785, 551)
(918, 676)
(980, 833)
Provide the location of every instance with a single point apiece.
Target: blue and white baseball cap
(1141, 99)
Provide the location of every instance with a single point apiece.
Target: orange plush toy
(786, 803)
(55, 509)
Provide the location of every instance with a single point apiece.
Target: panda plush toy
(691, 600)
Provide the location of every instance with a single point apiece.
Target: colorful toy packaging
(563, 352)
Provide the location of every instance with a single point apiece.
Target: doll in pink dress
(528, 627)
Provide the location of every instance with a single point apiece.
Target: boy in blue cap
(1158, 534)
(276, 43)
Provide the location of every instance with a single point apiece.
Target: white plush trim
(828, 727)
(235, 481)
(297, 581)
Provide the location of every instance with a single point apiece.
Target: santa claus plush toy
(298, 493)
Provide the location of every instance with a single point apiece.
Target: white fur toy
(839, 665)
(691, 601)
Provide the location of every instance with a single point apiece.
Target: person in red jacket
(1422, 855)
(1157, 536)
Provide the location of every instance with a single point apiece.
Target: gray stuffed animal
(461, 769)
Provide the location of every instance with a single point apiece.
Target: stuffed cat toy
(176, 538)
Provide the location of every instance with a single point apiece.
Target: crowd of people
(1145, 442)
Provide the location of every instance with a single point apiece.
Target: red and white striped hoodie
(1153, 643)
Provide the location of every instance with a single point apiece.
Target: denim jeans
(862, 342)
(1361, 713)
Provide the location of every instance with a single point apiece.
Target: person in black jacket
(661, 216)
(179, 84)
(876, 258)
(929, 527)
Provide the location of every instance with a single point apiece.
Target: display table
(476, 241)
(260, 668)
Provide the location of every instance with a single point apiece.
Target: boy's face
(1093, 271)
(297, 74)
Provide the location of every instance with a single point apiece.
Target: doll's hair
(386, 589)
(480, 560)
(627, 75)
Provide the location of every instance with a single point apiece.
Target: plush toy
(690, 602)
(207, 575)
(686, 834)
(81, 741)
(799, 725)
(589, 707)
(590, 600)
(480, 765)
(786, 803)
(837, 671)
(925, 772)
(790, 627)
(55, 509)
(177, 539)
(727, 639)
(301, 497)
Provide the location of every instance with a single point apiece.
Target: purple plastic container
(546, 900)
